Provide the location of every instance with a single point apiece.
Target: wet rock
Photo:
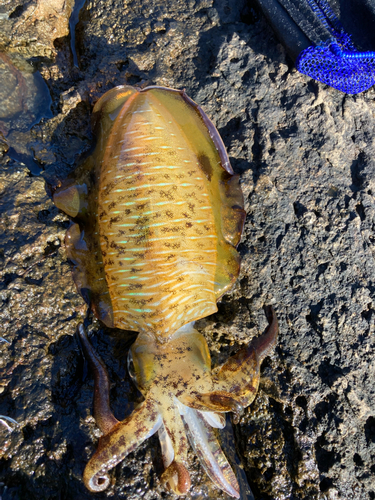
(70, 99)
(24, 101)
(4, 146)
(305, 154)
(31, 27)
(24, 97)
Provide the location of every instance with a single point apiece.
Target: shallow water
(73, 21)
(24, 101)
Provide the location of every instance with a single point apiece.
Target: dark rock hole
(28, 432)
(232, 130)
(309, 319)
(356, 169)
(325, 407)
(287, 132)
(33, 281)
(279, 239)
(51, 247)
(367, 313)
(325, 484)
(248, 76)
(7, 278)
(18, 11)
(313, 317)
(133, 80)
(325, 458)
(329, 373)
(370, 430)
(315, 309)
(270, 472)
(343, 266)
(299, 209)
(301, 401)
(357, 459)
(266, 364)
(122, 65)
(360, 211)
(43, 215)
(322, 268)
(249, 15)
(303, 425)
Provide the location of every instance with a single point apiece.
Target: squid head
(184, 401)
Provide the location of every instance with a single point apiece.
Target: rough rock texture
(30, 27)
(306, 156)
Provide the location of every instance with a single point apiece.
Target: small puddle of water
(24, 101)
(73, 21)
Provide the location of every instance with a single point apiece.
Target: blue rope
(319, 12)
(347, 54)
(330, 15)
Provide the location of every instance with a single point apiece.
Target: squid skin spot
(205, 165)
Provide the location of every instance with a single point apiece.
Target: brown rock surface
(31, 27)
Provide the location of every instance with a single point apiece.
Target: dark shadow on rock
(358, 173)
(72, 395)
(358, 19)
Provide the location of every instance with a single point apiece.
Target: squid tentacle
(184, 400)
(174, 445)
(209, 452)
(215, 401)
(120, 438)
(124, 437)
(251, 355)
(103, 415)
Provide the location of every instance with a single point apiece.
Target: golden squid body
(158, 213)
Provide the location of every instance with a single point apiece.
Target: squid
(157, 213)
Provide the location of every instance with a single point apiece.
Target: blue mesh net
(337, 62)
